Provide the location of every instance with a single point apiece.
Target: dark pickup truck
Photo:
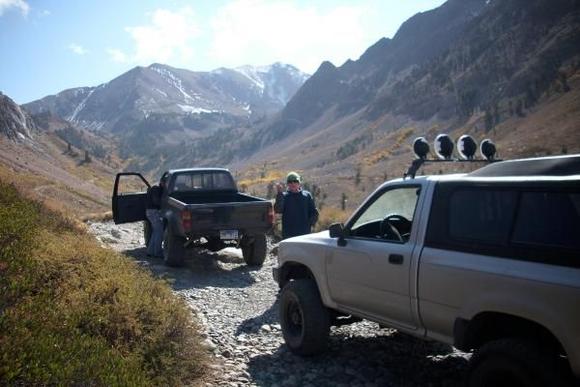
(200, 207)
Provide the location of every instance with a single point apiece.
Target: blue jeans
(154, 247)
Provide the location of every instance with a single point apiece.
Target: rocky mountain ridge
(15, 123)
(145, 92)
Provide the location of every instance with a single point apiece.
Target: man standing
(153, 214)
(297, 207)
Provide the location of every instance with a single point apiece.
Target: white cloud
(261, 32)
(167, 39)
(20, 4)
(77, 49)
(117, 55)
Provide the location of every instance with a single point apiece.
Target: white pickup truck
(487, 262)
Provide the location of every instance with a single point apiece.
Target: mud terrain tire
(304, 319)
(255, 252)
(514, 362)
(173, 250)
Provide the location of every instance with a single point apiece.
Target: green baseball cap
(292, 176)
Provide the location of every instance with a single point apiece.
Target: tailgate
(238, 216)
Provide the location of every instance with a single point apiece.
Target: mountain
(15, 123)
(193, 99)
(444, 63)
(506, 69)
(150, 110)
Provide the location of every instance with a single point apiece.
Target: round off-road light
(443, 146)
(466, 147)
(421, 148)
(487, 149)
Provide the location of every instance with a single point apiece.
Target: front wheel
(304, 319)
(514, 363)
(255, 252)
(173, 250)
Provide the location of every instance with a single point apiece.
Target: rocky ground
(238, 309)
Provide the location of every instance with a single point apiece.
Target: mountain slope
(62, 174)
(488, 68)
(356, 84)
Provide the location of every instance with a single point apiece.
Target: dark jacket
(298, 211)
(153, 199)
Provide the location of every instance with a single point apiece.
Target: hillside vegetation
(73, 313)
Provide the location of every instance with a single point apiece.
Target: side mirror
(336, 230)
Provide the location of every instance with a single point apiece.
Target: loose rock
(237, 306)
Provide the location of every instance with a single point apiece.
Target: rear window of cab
(535, 223)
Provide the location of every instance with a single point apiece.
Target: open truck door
(129, 202)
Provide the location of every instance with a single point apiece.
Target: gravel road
(238, 309)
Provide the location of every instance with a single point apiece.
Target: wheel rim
(294, 318)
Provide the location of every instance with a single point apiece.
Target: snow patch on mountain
(164, 94)
(79, 107)
(174, 81)
(254, 74)
(196, 110)
(269, 82)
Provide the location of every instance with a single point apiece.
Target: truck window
(482, 215)
(397, 206)
(131, 184)
(210, 180)
(548, 219)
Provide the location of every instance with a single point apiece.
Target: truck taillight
(186, 220)
(271, 216)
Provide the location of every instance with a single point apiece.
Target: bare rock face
(15, 123)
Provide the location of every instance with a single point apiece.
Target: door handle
(396, 259)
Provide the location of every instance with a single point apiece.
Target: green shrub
(73, 313)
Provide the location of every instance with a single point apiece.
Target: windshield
(204, 180)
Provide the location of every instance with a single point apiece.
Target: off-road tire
(304, 319)
(147, 230)
(514, 363)
(173, 250)
(255, 252)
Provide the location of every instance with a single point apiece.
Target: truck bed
(214, 197)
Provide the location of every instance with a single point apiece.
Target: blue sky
(47, 46)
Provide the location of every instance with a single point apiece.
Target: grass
(73, 313)
(329, 215)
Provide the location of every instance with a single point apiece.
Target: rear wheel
(514, 363)
(255, 252)
(173, 250)
(304, 319)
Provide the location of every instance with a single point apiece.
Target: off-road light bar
(466, 147)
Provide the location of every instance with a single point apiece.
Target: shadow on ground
(253, 324)
(201, 269)
(391, 359)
